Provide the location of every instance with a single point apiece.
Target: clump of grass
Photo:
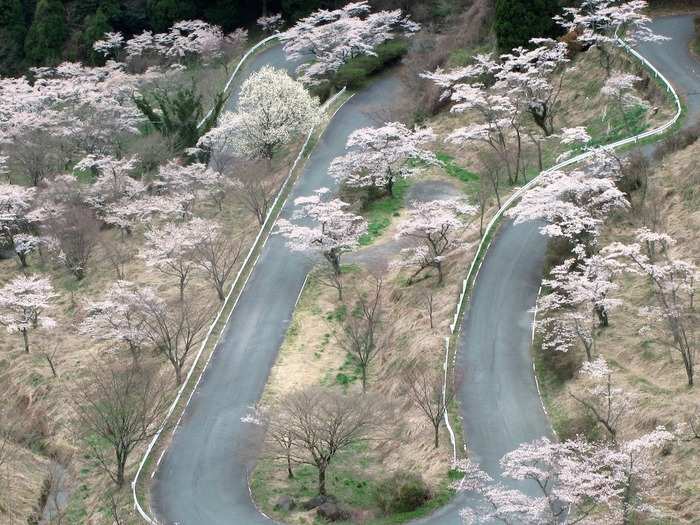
(379, 212)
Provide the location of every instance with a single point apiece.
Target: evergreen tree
(517, 21)
(47, 33)
(164, 13)
(95, 27)
(12, 33)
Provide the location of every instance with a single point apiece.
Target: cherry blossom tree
(597, 22)
(537, 76)
(126, 213)
(216, 253)
(271, 24)
(24, 244)
(334, 37)
(377, 157)
(578, 303)
(23, 303)
(500, 116)
(189, 181)
(15, 202)
(573, 205)
(334, 230)
(578, 482)
(619, 87)
(432, 225)
(171, 249)
(118, 316)
(273, 109)
(113, 182)
(607, 403)
(673, 282)
(185, 42)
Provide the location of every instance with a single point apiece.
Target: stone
(332, 512)
(285, 504)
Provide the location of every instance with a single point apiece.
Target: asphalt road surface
(202, 478)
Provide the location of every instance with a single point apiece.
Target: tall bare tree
(365, 334)
(252, 191)
(424, 386)
(73, 235)
(121, 407)
(216, 254)
(323, 423)
(175, 329)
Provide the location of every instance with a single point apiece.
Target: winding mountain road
(202, 477)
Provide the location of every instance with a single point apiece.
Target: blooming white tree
(334, 37)
(273, 109)
(334, 230)
(432, 226)
(377, 157)
(23, 303)
(578, 302)
(673, 282)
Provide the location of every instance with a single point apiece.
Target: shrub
(402, 492)
(356, 71)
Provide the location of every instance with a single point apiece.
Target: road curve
(499, 400)
(202, 477)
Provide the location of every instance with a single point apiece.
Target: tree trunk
(364, 379)
(438, 265)
(322, 481)
(25, 337)
(290, 474)
(437, 434)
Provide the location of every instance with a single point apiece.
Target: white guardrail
(486, 237)
(260, 240)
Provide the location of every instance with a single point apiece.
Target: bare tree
(483, 200)
(217, 254)
(424, 386)
(252, 191)
(430, 303)
(327, 276)
(323, 423)
(491, 171)
(73, 236)
(364, 335)
(122, 407)
(174, 329)
(118, 254)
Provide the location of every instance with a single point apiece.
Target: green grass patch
(455, 170)
(379, 212)
(616, 127)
